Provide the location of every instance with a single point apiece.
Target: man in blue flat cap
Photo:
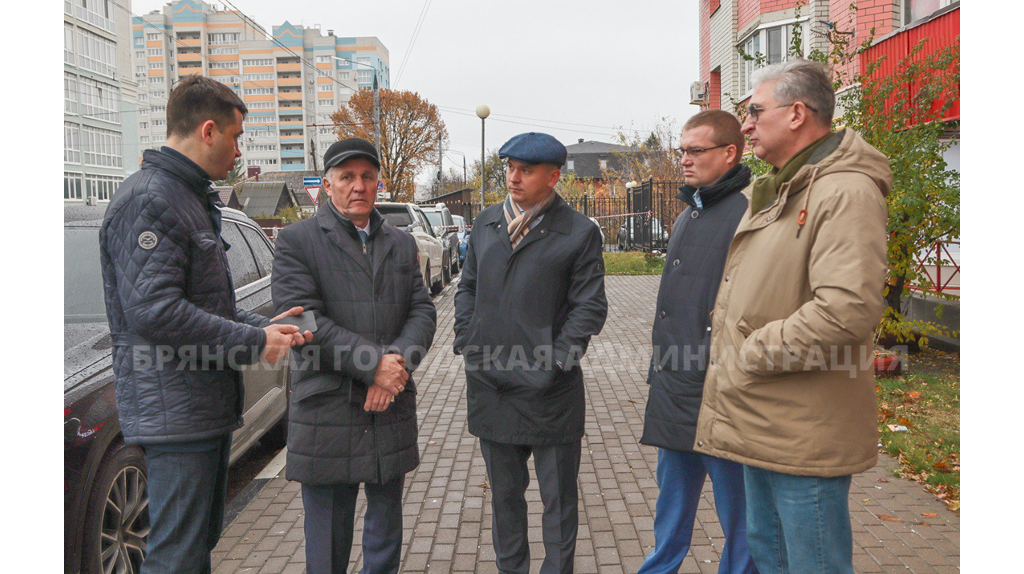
(530, 298)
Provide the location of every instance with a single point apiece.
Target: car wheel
(446, 273)
(426, 275)
(277, 436)
(436, 287)
(117, 519)
(455, 263)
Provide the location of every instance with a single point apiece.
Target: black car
(447, 231)
(106, 522)
(641, 232)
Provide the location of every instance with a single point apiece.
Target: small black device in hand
(305, 322)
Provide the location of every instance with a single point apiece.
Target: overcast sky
(571, 68)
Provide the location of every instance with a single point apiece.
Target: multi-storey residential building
(292, 82)
(767, 27)
(96, 104)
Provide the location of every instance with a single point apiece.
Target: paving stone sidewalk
(447, 504)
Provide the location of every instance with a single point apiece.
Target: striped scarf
(519, 221)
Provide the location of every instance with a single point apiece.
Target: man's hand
(391, 374)
(298, 338)
(378, 399)
(280, 339)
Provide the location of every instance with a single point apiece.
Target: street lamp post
(376, 101)
(482, 111)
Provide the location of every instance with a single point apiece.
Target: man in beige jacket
(789, 391)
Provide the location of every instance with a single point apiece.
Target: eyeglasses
(695, 152)
(755, 110)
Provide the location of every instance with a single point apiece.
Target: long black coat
(166, 283)
(361, 314)
(682, 322)
(520, 313)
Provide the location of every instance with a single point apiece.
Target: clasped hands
(389, 380)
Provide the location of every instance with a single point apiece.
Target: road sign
(314, 192)
(312, 181)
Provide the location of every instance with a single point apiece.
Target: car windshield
(83, 281)
(396, 216)
(459, 222)
(434, 217)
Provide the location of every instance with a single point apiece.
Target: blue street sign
(312, 181)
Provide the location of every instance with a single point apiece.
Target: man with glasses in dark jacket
(178, 338)
(710, 151)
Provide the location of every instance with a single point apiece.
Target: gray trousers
(558, 467)
(330, 519)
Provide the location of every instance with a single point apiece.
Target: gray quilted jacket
(171, 306)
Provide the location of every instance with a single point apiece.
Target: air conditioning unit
(698, 94)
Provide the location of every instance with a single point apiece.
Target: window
(143, 111)
(141, 70)
(157, 138)
(223, 51)
(569, 165)
(342, 75)
(240, 259)
(153, 52)
(70, 93)
(223, 65)
(72, 185)
(140, 54)
(143, 125)
(228, 80)
(159, 123)
(261, 147)
(258, 242)
(324, 59)
(222, 38)
(144, 139)
(157, 93)
(69, 44)
(258, 62)
(363, 60)
(604, 163)
(99, 100)
(260, 105)
(325, 102)
(140, 41)
(271, 161)
(101, 147)
(156, 79)
(72, 143)
(143, 97)
(257, 77)
(159, 109)
(152, 36)
(156, 65)
(364, 76)
(770, 43)
(102, 186)
(258, 91)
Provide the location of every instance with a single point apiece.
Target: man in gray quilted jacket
(170, 299)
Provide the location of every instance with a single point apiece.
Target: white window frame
(759, 36)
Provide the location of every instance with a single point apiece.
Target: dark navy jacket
(682, 322)
(171, 306)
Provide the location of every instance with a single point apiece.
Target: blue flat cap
(533, 148)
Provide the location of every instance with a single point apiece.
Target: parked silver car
(433, 257)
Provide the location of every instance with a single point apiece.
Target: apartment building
(98, 102)
(767, 27)
(292, 80)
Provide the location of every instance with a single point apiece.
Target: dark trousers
(330, 521)
(558, 467)
(187, 490)
(680, 480)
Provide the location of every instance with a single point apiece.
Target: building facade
(292, 80)
(768, 27)
(98, 102)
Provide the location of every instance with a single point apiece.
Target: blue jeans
(188, 485)
(798, 523)
(680, 480)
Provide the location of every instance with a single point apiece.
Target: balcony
(93, 18)
(289, 96)
(189, 42)
(286, 67)
(289, 81)
(293, 166)
(299, 153)
(189, 57)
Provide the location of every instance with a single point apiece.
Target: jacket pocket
(315, 386)
(744, 327)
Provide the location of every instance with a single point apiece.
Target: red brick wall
(746, 12)
(879, 14)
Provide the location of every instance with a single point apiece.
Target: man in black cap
(352, 413)
(530, 298)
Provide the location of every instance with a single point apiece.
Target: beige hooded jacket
(791, 386)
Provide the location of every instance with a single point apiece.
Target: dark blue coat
(682, 322)
(365, 306)
(169, 297)
(520, 312)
